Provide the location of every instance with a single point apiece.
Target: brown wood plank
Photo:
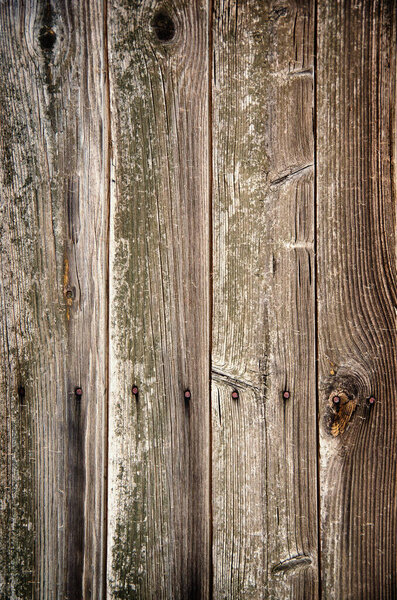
(356, 141)
(159, 518)
(53, 308)
(264, 445)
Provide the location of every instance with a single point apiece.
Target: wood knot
(163, 26)
(341, 405)
(47, 38)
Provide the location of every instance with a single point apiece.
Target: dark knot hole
(163, 26)
(47, 38)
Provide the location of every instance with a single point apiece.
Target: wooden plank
(356, 141)
(159, 517)
(53, 257)
(264, 445)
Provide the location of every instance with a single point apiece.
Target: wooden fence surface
(198, 300)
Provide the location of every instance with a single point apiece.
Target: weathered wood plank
(264, 445)
(159, 518)
(356, 141)
(54, 221)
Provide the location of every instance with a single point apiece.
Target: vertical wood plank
(356, 143)
(264, 445)
(159, 518)
(53, 257)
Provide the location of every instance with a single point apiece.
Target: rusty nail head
(79, 392)
(336, 399)
(135, 390)
(187, 394)
(371, 400)
(235, 395)
(286, 395)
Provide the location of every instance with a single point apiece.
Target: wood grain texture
(183, 129)
(356, 141)
(53, 308)
(159, 516)
(264, 446)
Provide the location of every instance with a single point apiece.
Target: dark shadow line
(210, 8)
(316, 333)
(107, 184)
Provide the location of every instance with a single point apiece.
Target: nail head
(286, 395)
(135, 390)
(336, 399)
(235, 395)
(78, 392)
(371, 400)
(187, 394)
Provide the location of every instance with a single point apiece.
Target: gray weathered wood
(53, 257)
(128, 178)
(159, 517)
(356, 132)
(264, 446)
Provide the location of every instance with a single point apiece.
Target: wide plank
(356, 198)
(53, 299)
(263, 335)
(159, 417)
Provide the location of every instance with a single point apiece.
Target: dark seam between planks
(210, 9)
(316, 358)
(107, 183)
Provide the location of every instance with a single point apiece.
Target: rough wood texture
(264, 445)
(159, 517)
(144, 144)
(53, 249)
(356, 102)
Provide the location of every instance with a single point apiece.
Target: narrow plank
(356, 143)
(53, 257)
(159, 518)
(264, 446)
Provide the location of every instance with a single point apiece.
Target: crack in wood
(301, 73)
(285, 75)
(233, 381)
(292, 174)
(294, 562)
